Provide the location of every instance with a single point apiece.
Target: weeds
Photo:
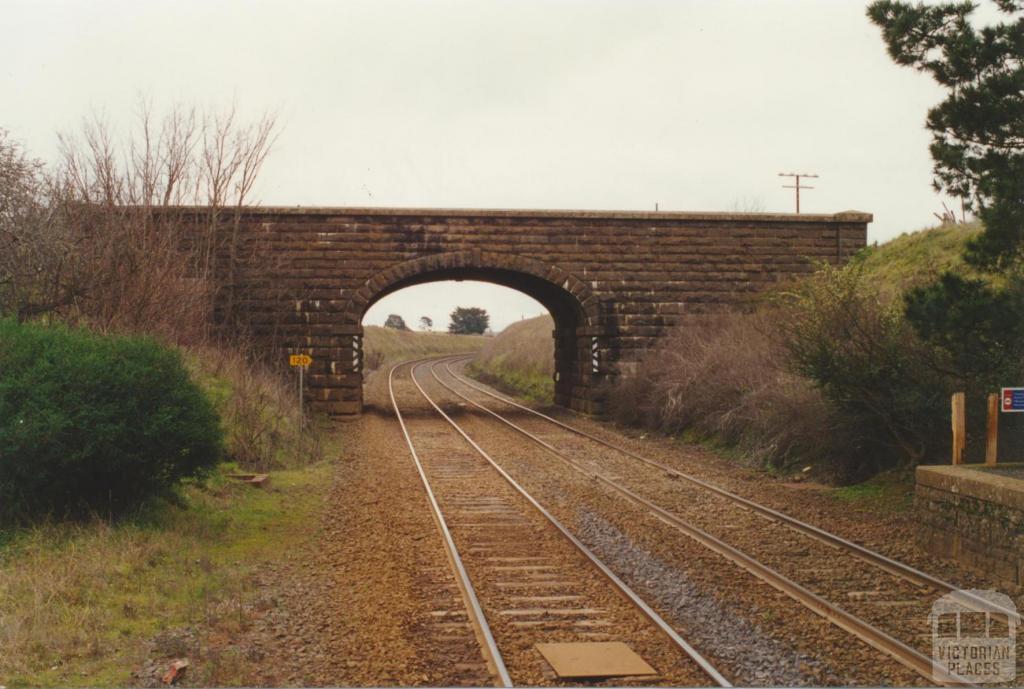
(262, 426)
(81, 604)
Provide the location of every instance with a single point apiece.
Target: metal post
(302, 413)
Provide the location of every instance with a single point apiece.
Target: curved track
(524, 578)
(870, 592)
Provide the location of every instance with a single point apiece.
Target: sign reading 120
(1013, 399)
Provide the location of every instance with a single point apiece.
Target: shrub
(95, 424)
(725, 377)
(869, 363)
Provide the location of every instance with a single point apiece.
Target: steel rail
(618, 583)
(482, 630)
(873, 636)
(876, 559)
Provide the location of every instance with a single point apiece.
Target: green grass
(80, 602)
(890, 491)
(520, 360)
(915, 258)
(529, 384)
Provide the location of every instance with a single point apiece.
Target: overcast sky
(694, 105)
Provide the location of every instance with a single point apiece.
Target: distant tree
(469, 321)
(426, 323)
(395, 322)
(748, 204)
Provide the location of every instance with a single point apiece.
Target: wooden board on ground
(594, 659)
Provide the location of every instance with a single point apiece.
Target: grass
(916, 258)
(520, 360)
(258, 408)
(383, 346)
(80, 603)
(890, 491)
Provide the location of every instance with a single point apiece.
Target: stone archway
(571, 303)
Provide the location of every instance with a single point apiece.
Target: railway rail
(523, 577)
(868, 593)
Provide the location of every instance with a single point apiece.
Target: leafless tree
(104, 238)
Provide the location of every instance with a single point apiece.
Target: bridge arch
(572, 304)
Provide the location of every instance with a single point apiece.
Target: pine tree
(978, 130)
(976, 324)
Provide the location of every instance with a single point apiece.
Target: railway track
(863, 592)
(526, 582)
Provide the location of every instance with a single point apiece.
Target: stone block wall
(974, 517)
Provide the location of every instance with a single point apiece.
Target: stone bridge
(614, 282)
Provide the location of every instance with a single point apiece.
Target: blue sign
(1012, 399)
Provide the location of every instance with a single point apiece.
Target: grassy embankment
(80, 604)
(384, 346)
(917, 257)
(520, 360)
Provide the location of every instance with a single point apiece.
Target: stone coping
(967, 479)
(844, 216)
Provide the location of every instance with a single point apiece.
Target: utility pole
(796, 186)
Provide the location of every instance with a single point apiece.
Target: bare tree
(103, 238)
(34, 259)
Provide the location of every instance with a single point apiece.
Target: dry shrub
(262, 425)
(725, 377)
(871, 366)
(373, 359)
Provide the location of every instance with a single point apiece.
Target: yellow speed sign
(300, 360)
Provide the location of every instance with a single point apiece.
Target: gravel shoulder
(347, 602)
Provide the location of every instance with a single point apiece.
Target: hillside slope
(382, 346)
(520, 360)
(918, 257)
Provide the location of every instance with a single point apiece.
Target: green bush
(870, 365)
(95, 424)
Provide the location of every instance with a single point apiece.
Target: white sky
(695, 105)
